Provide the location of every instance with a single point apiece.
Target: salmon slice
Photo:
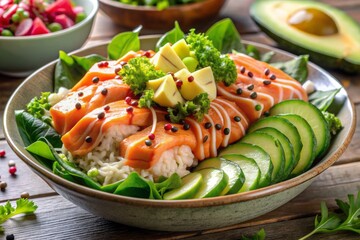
(70, 110)
(109, 70)
(139, 155)
(259, 86)
(90, 130)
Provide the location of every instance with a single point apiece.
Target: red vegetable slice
(39, 27)
(61, 7)
(24, 27)
(64, 21)
(8, 13)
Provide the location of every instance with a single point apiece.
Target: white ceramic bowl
(19, 56)
(181, 215)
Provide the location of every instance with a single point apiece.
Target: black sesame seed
(218, 126)
(186, 126)
(78, 106)
(250, 74)
(10, 237)
(267, 72)
(237, 119)
(267, 82)
(208, 125)
(257, 107)
(88, 139)
(253, 95)
(104, 91)
(148, 142)
(250, 87)
(272, 77)
(226, 131)
(205, 138)
(107, 108)
(101, 115)
(242, 69)
(95, 79)
(174, 129)
(239, 91)
(80, 94)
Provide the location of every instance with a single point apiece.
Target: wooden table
(56, 218)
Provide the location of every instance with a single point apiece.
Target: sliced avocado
(327, 34)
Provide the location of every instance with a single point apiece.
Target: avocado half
(339, 51)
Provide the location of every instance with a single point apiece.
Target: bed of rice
(111, 168)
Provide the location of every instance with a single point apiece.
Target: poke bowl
(23, 54)
(188, 214)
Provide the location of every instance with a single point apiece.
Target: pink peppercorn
(12, 170)
(2, 153)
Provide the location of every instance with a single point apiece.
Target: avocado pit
(313, 21)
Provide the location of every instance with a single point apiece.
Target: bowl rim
(195, 203)
(91, 15)
(130, 7)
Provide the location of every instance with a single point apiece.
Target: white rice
(111, 167)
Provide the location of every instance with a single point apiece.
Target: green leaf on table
(123, 43)
(348, 220)
(70, 69)
(296, 68)
(323, 99)
(32, 129)
(225, 36)
(172, 36)
(23, 206)
(260, 235)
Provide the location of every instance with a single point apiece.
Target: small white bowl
(19, 56)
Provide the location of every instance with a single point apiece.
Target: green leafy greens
(348, 220)
(223, 67)
(123, 43)
(296, 68)
(137, 72)
(260, 235)
(39, 107)
(23, 206)
(197, 107)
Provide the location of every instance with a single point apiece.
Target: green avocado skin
(316, 57)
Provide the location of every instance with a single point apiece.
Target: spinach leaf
(266, 57)
(60, 171)
(172, 36)
(296, 68)
(174, 181)
(41, 149)
(323, 99)
(225, 36)
(123, 43)
(32, 129)
(70, 69)
(110, 188)
(71, 169)
(136, 186)
(253, 52)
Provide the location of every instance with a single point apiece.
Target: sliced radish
(24, 27)
(8, 13)
(5, 3)
(64, 21)
(61, 7)
(78, 9)
(39, 27)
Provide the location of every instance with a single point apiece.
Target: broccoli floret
(334, 122)
(223, 67)
(39, 107)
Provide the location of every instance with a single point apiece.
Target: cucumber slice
(214, 182)
(273, 148)
(189, 186)
(261, 157)
(286, 128)
(307, 154)
(232, 170)
(312, 115)
(250, 168)
(287, 147)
